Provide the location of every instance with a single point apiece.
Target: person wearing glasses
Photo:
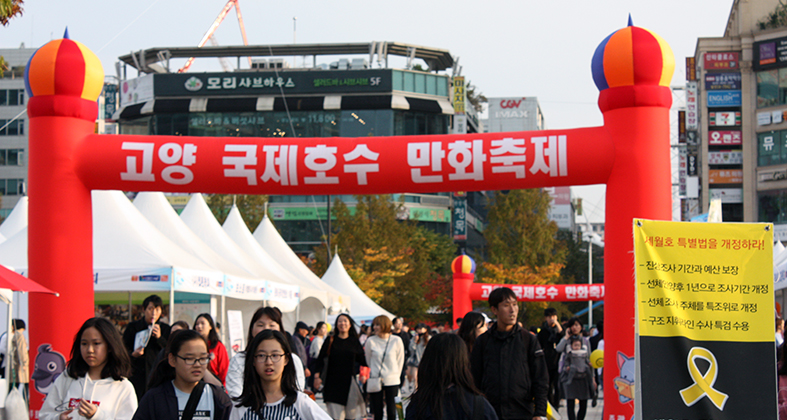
(265, 318)
(94, 385)
(177, 390)
(270, 391)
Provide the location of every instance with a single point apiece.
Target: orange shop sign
(725, 176)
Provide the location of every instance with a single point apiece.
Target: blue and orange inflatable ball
(65, 68)
(632, 56)
(463, 265)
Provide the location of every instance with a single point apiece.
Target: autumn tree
(391, 260)
(252, 207)
(522, 247)
(576, 265)
(8, 9)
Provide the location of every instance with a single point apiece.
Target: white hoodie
(115, 399)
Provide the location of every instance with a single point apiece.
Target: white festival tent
(15, 221)
(779, 266)
(243, 290)
(362, 308)
(129, 253)
(267, 236)
(198, 217)
(313, 301)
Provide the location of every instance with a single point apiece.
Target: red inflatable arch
(630, 153)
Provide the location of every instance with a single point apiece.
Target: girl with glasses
(265, 318)
(177, 389)
(269, 388)
(94, 385)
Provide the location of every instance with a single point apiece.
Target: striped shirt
(273, 411)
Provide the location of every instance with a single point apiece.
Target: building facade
(13, 128)
(347, 98)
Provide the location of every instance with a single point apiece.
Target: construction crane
(225, 64)
(214, 26)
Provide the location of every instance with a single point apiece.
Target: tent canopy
(362, 308)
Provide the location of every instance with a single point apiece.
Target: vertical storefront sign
(682, 127)
(705, 337)
(459, 102)
(682, 166)
(692, 115)
(459, 219)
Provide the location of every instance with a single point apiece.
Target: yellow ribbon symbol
(703, 384)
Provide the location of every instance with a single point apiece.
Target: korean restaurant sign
(271, 83)
(705, 293)
(692, 112)
(721, 61)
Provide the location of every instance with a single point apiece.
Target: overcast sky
(506, 48)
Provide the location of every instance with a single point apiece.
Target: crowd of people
(483, 370)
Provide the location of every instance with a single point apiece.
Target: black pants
(376, 399)
(553, 392)
(583, 408)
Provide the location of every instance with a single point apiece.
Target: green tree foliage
(252, 207)
(518, 231)
(576, 266)
(474, 96)
(775, 19)
(8, 9)
(395, 262)
(522, 246)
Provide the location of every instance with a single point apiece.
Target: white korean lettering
(552, 292)
(571, 292)
(462, 154)
(486, 290)
(228, 83)
(582, 292)
(214, 82)
(517, 291)
(361, 169)
(320, 159)
(509, 153)
(240, 163)
(172, 154)
(132, 174)
(555, 151)
(286, 163)
(418, 154)
(541, 292)
(595, 292)
(528, 292)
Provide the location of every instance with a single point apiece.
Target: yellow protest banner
(704, 281)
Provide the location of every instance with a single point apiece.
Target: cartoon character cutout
(624, 384)
(49, 364)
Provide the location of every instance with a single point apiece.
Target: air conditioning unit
(20, 160)
(344, 64)
(359, 64)
(259, 64)
(278, 64)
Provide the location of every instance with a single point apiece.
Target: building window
(771, 88)
(14, 128)
(12, 97)
(772, 206)
(12, 186)
(11, 157)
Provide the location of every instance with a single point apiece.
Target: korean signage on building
(691, 69)
(110, 100)
(770, 54)
(722, 81)
(682, 127)
(512, 114)
(724, 137)
(459, 95)
(725, 176)
(459, 219)
(682, 164)
(704, 291)
(724, 98)
(692, 114)
(270, 83)
(721, 61)
(724, 119)
(727, 195)
(136, 91)
(725, 157)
